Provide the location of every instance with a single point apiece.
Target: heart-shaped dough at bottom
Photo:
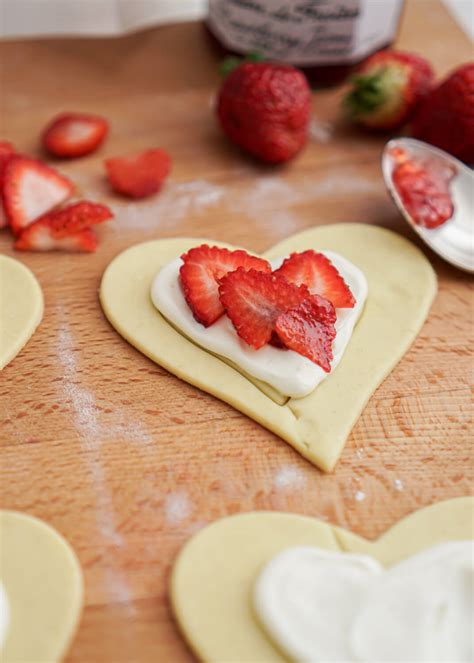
(43, 588)
(213, 578)
(402, 285)
(21, 307)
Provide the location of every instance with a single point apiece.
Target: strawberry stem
(368, 93)
(232, 62)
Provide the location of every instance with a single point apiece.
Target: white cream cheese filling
(321, 606)
(4, 615)
(288, 372)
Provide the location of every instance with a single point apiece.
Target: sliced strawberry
(30, 189)
(74, 134)
(319, 274)
(202, 269)
(67, 229)
(253, 301)
(326, 315)
(139, 175)
(39, 238)
(424, 190)
(304, 330)
(6, 152)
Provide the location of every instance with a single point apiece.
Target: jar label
(306, 32)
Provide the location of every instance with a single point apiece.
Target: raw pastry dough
(213, 578)
(21, 307)
(43, 584)
(402, 285)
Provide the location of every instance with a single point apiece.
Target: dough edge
(213, 607)
(59, 595)
(32, 308)
(411, 285)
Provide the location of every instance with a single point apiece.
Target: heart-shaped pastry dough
(214, 576)
(21, 307)
(42, 590)
(402, 285)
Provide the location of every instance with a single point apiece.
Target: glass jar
(324, 38)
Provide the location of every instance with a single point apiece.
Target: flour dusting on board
(175, 202)
(177, 508)
(91, 432)
(320, 132)
(289, 477)
(87, 425)
(266, 199)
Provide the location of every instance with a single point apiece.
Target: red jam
(423, 186)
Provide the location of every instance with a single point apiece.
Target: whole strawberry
(264, 108)
(387, 88)
(446, 116)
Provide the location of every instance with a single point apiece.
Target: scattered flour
(289, 477)
(177, 508)
(175, 202)
(359, 496)
(91, 432)
(398, 485)
(266, 199)
(88, 427)
(320, 132)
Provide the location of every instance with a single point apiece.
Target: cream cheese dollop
(4, 615)
(321, 606)
(288, 372)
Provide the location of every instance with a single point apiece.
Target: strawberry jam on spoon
(430, 186)
(423, 186)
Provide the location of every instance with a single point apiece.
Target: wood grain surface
(122, 458)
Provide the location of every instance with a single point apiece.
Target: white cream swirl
(321, 606)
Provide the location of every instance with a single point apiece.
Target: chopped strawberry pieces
(321, 277)
(203, 267)
(303, 330)
(253, 301)
(424, 190)
(266, 308)
(30, 189)
(67, 229)
(74, 134)
(139, 175)
(6, 152)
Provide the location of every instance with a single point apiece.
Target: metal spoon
(454, 240)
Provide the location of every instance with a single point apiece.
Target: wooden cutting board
(122, 458)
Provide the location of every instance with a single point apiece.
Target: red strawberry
(74, 134)
(202, 269)
(30, 189)
(424, 190)
(320, 276)
(446, 116)
(253, 301)
(139, 175)
(387, 88)
(6, 152)
(302, 330)
(67, 229)
(264, 108)
(264, 307)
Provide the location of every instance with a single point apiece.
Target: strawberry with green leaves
(387, 89)
(264, 108)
